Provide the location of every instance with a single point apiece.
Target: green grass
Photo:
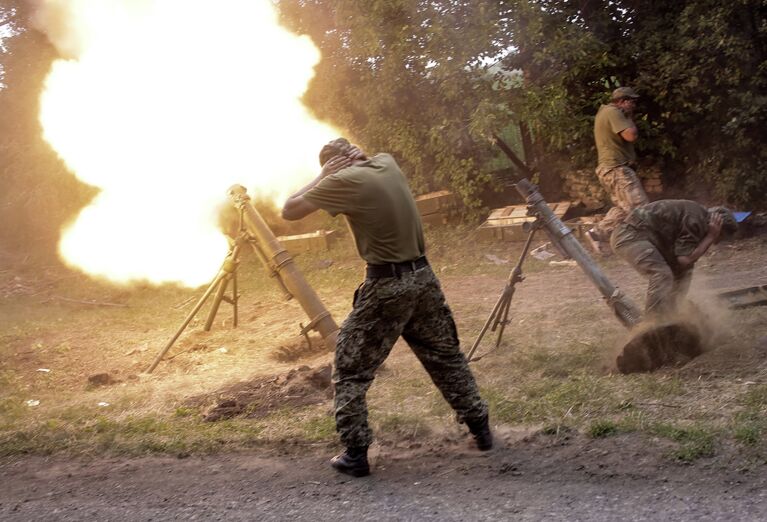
(403, 425)
(548, 372)
(750, 424)
(694, 442)
(322, 428)
(602, 428)
(749, 434)
(130, 436)
(548, 399)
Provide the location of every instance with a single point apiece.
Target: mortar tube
(291, 276)
(623, 307)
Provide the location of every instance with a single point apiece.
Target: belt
(395, 269)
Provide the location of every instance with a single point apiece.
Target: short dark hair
(333, 148)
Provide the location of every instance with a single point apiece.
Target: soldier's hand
(715, 226)
(335, 164)
(355, 153)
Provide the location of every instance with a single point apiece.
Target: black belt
(395, 269)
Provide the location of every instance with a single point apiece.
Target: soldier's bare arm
(630, 134)
(297, 207)
(714, 230)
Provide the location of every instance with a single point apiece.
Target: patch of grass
(555, 430)
(7, 379)
(401, 425)
(404, 389)
(755, 398)
(11, 408)
(129, 436)
(748, 434)
(561, 363)
(183, 411)
(633, 420)
(602, 428)
(749, 425)
(694, 442)
(548, 399)
(657, 387)
(320, 428)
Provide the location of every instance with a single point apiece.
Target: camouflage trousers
(626, 193)
(413, 306)
(666, 287)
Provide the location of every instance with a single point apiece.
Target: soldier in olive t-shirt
(612, 149)
(400, 296)
(382, 213)
(614, 135)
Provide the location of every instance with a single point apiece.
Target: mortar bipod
(227, 272)
(499, 317)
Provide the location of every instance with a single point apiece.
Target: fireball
(162, 105)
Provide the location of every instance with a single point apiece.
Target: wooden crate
(580, 225)
(436, 208)
(506, 224)
(436, 218)
(436, 202)
(317, 241)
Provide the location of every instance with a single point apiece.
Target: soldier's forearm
(689, 261)
(308, 187)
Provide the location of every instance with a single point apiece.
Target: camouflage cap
(622, 93)
(333, 148)
(729, 223)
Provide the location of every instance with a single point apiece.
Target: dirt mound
(299, 348)
(665, 345)
(257, 398)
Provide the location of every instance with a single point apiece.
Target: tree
(407, 77)
(412, 77)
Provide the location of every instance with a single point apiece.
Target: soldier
(400, 296)
(615, 134)
(663, 240)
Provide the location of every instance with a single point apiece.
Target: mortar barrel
(291, 276)
(625, 309)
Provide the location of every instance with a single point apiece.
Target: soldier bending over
(663, 240)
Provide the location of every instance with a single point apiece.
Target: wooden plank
(746, 297)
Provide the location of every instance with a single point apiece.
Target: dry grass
(553, 368)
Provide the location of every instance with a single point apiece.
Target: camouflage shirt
(674, 226)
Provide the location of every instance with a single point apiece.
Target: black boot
(353, 461)
(481, 431)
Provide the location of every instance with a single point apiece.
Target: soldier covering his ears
(400, 296)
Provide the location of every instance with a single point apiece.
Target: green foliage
(432, 81)
(407, 77)
(438, 77)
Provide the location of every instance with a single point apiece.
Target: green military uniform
(653, 237)
(615, 171)
(399, 297)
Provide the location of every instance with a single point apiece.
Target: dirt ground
(96, 340)
(525, 478)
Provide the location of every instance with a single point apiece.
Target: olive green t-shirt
(382, 214)
(612, 150)
(674, 226)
